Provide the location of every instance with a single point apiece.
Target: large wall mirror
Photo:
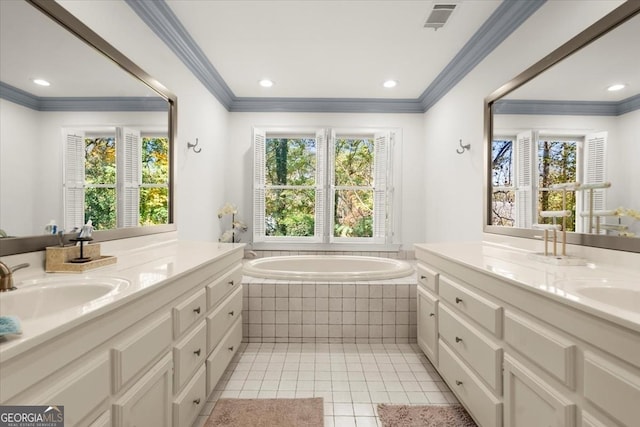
(563, 136)
(95, 143)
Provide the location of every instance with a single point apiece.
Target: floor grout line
(395, 373)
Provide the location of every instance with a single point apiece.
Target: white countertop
(514, 265)
(145, 268)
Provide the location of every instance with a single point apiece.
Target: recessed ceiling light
(618, 86)
(41, 82)
(265, 83)
(390, 83)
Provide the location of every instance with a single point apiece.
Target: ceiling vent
(439, 16)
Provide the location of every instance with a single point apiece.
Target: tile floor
(352, 378)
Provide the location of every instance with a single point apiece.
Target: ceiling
(331, 49)
(310, 49)
(328, 49)
(586, 75)
(73, 68)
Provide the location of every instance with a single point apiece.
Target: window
(116, 178)
(100, 181)
(322, 186)
(526, 166)
(502, 182)
(557, 163)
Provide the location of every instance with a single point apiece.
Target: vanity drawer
(427, 278)
(188, 354)
(479, 401)
(473, 346)
(220, 287)
(189, 403)
(104, 420)
(530, 401)
(427, 307)
(222, 318)
(219, 359)
(589, 420)
(189, 312)
(478, 308)
(140, 349)
(612, 388)
(82, 392)
(550, 351)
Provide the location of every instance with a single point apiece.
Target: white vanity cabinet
(427, 312)
(516, 357)
(144, 362)
(147, 403)
(200, 321)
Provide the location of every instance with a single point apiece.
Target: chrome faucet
(6, 276)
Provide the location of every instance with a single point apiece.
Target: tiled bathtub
(382, 311)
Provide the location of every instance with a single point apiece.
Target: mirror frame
(64, 18)
(610, 21)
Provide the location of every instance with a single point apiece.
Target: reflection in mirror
(562, 149)
(95, 144)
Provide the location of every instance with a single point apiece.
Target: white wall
(622, 133)
(18, 166)
(409, 160)
(200, 178)
(629, 160)
(442, 191)
(32, 160)
(454, 183)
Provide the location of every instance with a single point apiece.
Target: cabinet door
(428, 325)
(530, 402)
(148, 401)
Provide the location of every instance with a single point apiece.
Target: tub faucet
(6, 276)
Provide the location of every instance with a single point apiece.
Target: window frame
(580, 137)
(73, 186)
(325, 188)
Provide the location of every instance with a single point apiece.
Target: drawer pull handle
(458, 382)
(458, 339)
(431, 314)
(231, 282)
(231, 348)
(196, 310)
(231, 313)
(197, 401)
(423, 277)
(197, 352)
(458, 300)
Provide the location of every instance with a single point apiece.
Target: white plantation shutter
(74, 174)
(321, 177)
(595, 146)
(524, 154)
(259, 171)
(129, 176)
(381, 185)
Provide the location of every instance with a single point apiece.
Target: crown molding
(502, 22)
(95, 103)
(566, 108)
(166, 25)
(327, 105)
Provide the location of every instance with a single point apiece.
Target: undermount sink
(616, 293)
(44, 297)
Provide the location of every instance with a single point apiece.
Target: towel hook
(190, 145)
(464, 148)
